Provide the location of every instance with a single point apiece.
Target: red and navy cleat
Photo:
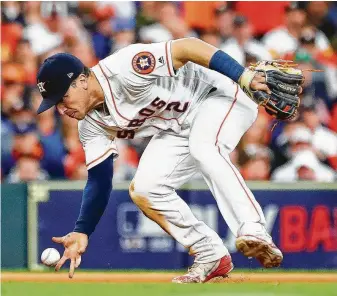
(207, 272)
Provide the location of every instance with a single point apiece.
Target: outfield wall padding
(301, 217)
(14, 226)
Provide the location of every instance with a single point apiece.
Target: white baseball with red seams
(50, 257)
(196, 117)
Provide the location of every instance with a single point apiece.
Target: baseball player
(187, 95)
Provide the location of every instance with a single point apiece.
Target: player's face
(75, 101)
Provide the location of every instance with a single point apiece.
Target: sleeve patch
(143, 62)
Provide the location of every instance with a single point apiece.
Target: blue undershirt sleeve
(95, 196)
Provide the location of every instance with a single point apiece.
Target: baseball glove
(284, 81)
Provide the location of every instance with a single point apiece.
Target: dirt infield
(132, 277)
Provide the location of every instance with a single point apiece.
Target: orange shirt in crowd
(10, 35)
(201, 14)
(263, 15)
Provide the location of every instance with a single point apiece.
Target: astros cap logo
(40, 85)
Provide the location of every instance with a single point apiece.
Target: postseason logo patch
(143, 62)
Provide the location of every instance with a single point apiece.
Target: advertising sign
(303, 224)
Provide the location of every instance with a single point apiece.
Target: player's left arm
(199, 52)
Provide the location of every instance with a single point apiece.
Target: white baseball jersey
(194, 130)
(144, 95)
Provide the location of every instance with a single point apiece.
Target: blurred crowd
(47, 146)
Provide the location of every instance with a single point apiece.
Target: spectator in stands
(147, 14)
(32, 12)
(304, 166)
(290, 34)
(51, 141)
(242, 42)
(77, 40)
(11, 33)
(39, 31)
(301, 139)
(26, 144)
(27, 169)
(170, 25)
(32, 31)
(124, 33)
(15, 96)
(26, 141)
(74, 161)
(74, 33)
(316, 44)
(322, 15)
(326, 60)
(324, 140)
(124, 9)
(310, 56)
(13, 88)
(102, 36)
(211, 37)
(224, 18)
(283, 40)
(85, 52)
(24, 56)
(70, 134)
(257, 166)
(11, 11)
(74, 164)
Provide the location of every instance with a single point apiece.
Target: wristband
(226, 65)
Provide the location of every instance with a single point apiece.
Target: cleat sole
(264, 252)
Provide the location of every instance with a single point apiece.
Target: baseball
(50, 257)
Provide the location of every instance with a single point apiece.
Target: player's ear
(84, 81)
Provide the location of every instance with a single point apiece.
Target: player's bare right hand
(259, 83)
(75, 244)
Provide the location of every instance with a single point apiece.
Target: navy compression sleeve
(95, 196)
(226, 65)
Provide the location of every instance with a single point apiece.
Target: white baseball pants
(171, 159)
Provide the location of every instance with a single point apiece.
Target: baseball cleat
(263, 249)
(206, 272)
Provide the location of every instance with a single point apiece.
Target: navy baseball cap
(55, 76)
